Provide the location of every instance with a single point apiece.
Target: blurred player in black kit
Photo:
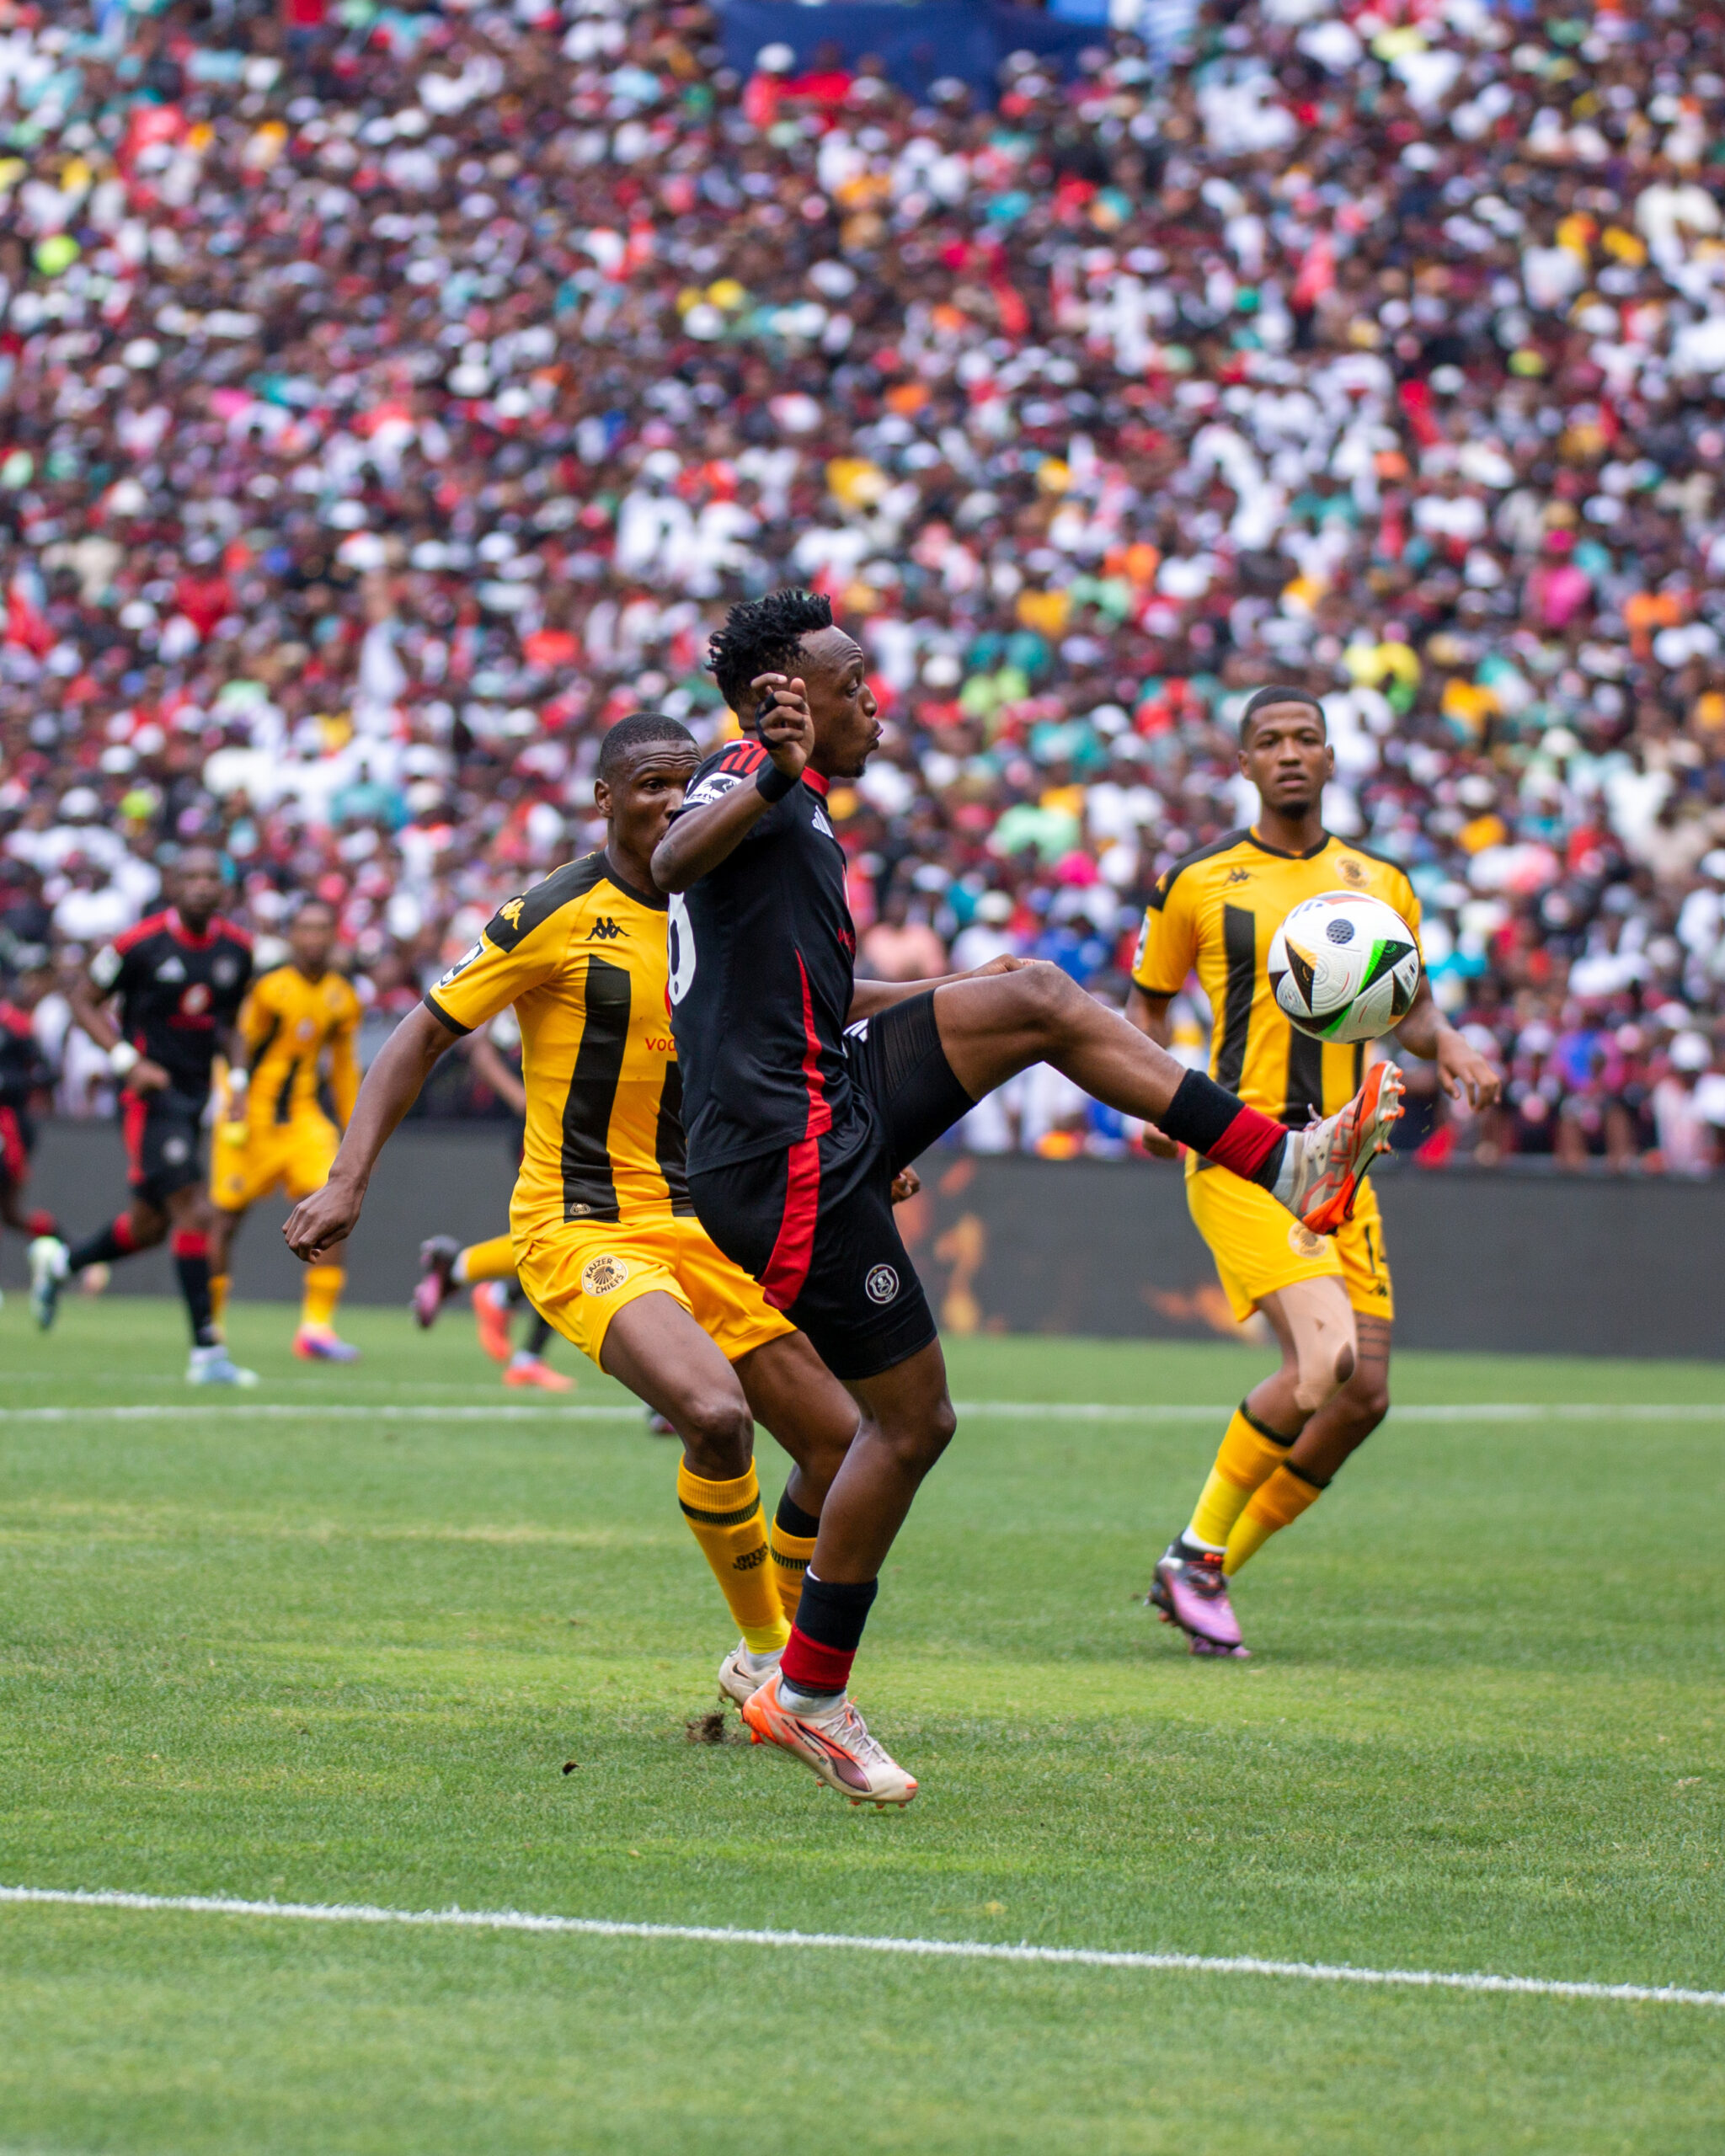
(25, 1074)
(177, 980)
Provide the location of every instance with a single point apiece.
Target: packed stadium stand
(392, 399)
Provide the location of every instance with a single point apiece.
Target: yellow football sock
(1277, 1505)
(323, 1292)
(1247, 1457)
(790, 1560)
(220, 1283)
(725, 1518)
(494, 1260)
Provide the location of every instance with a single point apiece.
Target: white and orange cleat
(525, 1370)
(320, 1343)
(836, 1745)
(1335, 1154)
(742, 1674)
(491, 1317)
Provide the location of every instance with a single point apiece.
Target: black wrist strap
(772, 784)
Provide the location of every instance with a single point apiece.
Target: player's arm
(393, 1084)
(1168, 944)
(344, 1069)
(250, 1030)
(493, 1070)
(1462, 1071)
(1149, 1013)
(88, 997)
(701, 837)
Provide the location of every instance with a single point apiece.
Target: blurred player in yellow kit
(1328, 1299)
(298, 1028)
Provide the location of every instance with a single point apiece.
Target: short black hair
(1277, 692)
(760, 635)
(631, 732)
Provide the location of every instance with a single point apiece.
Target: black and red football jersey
(178, 992)
(23, 1068)
(762, 959)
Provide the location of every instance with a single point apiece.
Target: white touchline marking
(1017, 1411)
(955, 1950)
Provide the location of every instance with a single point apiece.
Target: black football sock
(191, 1263)
(1224, 1130)
(102, 1248)
(537, 1338)
(816, 1662)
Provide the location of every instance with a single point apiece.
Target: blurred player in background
(1328, 1300)
(296, 1030)
(446, 1266)
(25, 1074)
(605, 1235)
(178, 979)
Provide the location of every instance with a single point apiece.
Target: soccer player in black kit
(805, 1090)
(180, 977)
(25, 1074)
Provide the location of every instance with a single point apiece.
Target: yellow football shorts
(296, 1157)
(579, 1274)
(1259, 1246)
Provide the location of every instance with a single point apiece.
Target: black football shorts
(814, 1222)
(163, 1136)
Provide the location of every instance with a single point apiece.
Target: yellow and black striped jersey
(289, 1023)
(583, 959)
(1214, 913)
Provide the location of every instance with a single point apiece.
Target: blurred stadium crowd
(389, 401)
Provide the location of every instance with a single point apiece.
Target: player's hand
(1464, 1074)
(1157, 1146)
(785, 728)
(147, 1077)
(1008, 963)
(906, 1184)
(318, 1223)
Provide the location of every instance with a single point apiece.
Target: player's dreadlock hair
(760, 635)
(631, 732)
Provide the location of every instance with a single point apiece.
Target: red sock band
(122, 1233)
(1247, 1143)
(41, 1224)
(189, 1242)
(812, 1667)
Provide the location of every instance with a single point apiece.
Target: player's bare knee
(1047, 1000)
(718, 1436)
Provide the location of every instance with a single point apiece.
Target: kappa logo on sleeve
(512, 912)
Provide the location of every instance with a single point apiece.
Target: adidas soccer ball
(1344, 966)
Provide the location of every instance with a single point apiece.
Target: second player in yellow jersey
(1329, 1300)
(297, 1025)
(606, 1242)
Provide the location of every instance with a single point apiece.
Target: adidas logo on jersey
(820, 824)
(605, 931)
(170, 970)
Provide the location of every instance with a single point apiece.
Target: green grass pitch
(345, 1658)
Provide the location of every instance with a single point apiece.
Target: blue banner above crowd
(918, 44)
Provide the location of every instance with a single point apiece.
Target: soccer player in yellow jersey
(606, 1241)
(296, 1027)
(1329, 1301)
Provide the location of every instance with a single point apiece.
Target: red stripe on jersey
(812, 778)
(742, 756)
(152, 925)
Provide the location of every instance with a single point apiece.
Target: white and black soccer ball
(1344, 966)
